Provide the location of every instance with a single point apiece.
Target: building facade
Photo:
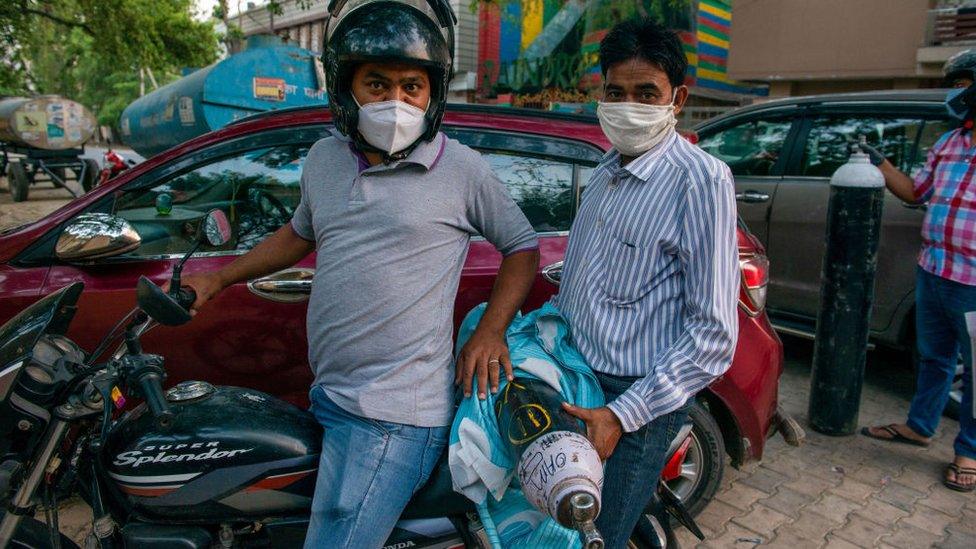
(799, 47)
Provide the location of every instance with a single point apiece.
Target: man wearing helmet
(389, 205)
(945, 286)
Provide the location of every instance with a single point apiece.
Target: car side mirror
(94, 236)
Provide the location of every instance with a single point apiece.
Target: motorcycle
(113, 164)
(201, 466)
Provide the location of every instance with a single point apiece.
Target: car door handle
(553, 272)
(288, 286)
(752, 197)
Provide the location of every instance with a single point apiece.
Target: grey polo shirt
(390, 242)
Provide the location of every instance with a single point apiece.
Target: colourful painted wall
(509, 30)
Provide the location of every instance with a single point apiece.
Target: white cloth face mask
(635, 128)
(391, 126)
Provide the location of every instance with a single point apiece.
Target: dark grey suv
(782, 154)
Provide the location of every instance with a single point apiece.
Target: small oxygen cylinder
(559, 470)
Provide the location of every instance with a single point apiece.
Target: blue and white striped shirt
(651, 276)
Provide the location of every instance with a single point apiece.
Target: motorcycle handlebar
(186, 297)
(150, 385)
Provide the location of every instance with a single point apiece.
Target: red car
(254, 334)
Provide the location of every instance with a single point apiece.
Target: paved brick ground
(842, 492)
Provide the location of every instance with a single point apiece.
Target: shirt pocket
(628, 270)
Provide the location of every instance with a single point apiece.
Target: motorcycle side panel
(235, 454)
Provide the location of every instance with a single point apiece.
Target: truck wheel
(17, 180)
(91, 174)
(704, 464)
(33, 534)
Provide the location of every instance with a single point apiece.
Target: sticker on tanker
(269, 89)
(45, 122)
(186, 113)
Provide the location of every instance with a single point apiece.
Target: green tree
(94, 50)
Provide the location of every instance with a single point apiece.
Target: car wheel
(17, 180)
(704, 463)
(700, 476)
(954, 404)
(955, 393)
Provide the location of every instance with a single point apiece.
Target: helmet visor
(438, 11)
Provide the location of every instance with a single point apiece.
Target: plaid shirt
(949, 231)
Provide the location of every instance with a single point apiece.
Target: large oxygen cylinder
(45, 122)
(266, 75)
(558, 468)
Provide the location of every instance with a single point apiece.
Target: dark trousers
(940, 319)
(631, 474)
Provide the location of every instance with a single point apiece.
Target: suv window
(751, 148)
(543, 188)
(828, 142)
(258, 189)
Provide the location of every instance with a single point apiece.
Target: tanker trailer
(266, 75)
(46, 136)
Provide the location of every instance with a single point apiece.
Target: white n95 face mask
(634, 128)
(391, 126)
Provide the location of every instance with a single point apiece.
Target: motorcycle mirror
(216, 228)
(159, 305)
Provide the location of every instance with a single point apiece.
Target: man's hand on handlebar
(206, 286)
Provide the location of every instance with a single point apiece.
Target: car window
(258, 189)
(828, 144)
(751, 148)
(543, 188)
(931, 132)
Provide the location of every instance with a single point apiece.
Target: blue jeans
(940, 324)
(368, 471)
(631, 474)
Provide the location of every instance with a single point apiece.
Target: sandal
(895, 436)
(954, 484)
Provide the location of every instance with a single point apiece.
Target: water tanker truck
(42, 139)
(268, 74)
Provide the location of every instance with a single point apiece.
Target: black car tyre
(33, 534)
(704, 464)
(954, 404)
(17, 180)
(90, 175)
(702, 469)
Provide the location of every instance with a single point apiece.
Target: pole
(846, 295)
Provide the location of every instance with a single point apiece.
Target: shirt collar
(425, 154)
(641, 166)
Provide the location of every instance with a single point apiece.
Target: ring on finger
(494, 361)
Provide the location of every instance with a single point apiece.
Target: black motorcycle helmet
(960, 65)
(413, 32)
(963, 105)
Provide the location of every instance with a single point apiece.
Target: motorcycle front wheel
(33, 534)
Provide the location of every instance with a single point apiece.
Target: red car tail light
(755, 276)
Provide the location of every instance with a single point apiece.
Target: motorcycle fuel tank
(230, 453)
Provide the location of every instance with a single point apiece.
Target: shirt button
(599, 222)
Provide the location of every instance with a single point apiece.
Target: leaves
(92, 50)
